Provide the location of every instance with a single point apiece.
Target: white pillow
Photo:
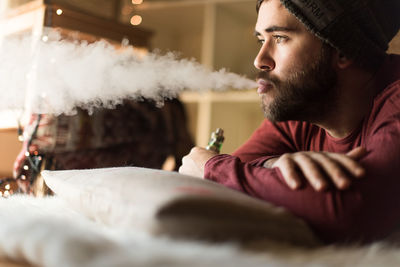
(163, 202)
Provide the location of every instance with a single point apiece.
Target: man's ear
(342, 62)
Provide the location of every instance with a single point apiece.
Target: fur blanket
(46, 232)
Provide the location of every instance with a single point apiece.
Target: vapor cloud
(56, 76)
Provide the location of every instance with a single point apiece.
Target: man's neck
(356, 92)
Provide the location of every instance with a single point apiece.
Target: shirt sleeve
(269, 140)
(365, 212)
(327, 212)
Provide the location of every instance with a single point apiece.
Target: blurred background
(216, 33)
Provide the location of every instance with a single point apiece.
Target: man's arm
(270, 141)
(365, 212)
(318, 168)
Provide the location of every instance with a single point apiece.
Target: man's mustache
(262, 75)
(267, 77)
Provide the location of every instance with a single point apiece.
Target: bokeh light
(136, 20)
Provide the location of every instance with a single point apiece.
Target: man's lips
(263, 86)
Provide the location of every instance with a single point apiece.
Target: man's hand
(193, 163)
(319, 167)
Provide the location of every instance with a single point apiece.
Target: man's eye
(260, 41)
(280, 38)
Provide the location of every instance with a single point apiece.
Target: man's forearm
(335, 215)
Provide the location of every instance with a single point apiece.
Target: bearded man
(329, 148)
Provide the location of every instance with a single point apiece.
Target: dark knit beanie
(360, 29)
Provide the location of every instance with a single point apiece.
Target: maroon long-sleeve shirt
(370, 209)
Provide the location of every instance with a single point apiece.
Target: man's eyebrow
(276, 29)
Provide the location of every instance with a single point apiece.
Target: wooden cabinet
(34, 16)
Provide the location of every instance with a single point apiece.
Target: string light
(27, 154)
(59, 12)
(45, 38)
(26, 167)
(8, 188)
(136, 20)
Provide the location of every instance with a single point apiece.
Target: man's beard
(306, 95)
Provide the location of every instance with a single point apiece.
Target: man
(329, 149)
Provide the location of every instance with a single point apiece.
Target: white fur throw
(180, 206)
(45, 232)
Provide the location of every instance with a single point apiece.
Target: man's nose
(263, 60)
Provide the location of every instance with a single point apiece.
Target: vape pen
(216, 140)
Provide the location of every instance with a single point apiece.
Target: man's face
(296, 79)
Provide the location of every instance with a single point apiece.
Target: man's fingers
(333, 169)
(193, 163)
(349, 164)
(288, 169)
(311, 171)
(189, 167)
(320, 167)
(357, 153)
